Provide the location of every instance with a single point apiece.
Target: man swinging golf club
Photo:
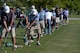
(7, 17)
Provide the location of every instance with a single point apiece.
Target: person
(53, 19)
(33, 24)
(57, 16)
(41, 20)
(22, 17)
(48, 16)
(26, 21)
(65, 16)
(7, 21)
(29, 12)
(18, 11)
(61, 16)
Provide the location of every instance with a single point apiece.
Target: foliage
(72, 5)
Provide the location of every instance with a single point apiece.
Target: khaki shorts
(12, 32)
(42, 24)
(57, 19)
(37, 28)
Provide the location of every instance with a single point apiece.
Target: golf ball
(5, 51)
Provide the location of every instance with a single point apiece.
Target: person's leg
(28, 36)
(31, 39)
(57, 22)
(67, 20)
(2, 35)
(49, 26)
(18, 23)
(39, 34)
(52, 26)
(28, 42)
(38, 39)
(42, 26)
(45, 29)
(13, 38)
(21, 23)
(1, 38)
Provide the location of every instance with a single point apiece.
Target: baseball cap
(4, 4)
(34, 11)
(6, 9)
(33, 7)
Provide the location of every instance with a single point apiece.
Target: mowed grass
(74, 16)
(64, 40)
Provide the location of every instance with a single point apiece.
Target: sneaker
(42, 32)
(38, 43)
(14, 47)
(50, 34)
(31, 41)
(34, 36)
(41, 35)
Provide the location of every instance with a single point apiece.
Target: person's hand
(46, 22)
(9, 28)
(26, 26)
(29, 27)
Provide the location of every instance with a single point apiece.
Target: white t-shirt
(48, 15)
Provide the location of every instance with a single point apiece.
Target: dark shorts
(65, 17)
(53, 22)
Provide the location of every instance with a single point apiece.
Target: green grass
(74, 16)
(64, 40)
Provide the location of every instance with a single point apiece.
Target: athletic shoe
(38, 43)
(14, 47)
(41, 35)
(31, 41)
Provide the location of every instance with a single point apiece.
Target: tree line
(72, 5)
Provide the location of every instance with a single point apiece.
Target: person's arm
(13, 17)
(27, 22)
(32, 23)
(12, 21)
(4, 21)
(5, 24)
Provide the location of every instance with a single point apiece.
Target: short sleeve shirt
(32, 18)
(41, 15)
(48, 15)
(8, 17)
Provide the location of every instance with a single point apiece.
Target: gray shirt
(8, 18)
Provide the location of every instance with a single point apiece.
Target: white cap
(33, 7)
(34, 11)
(4, 4)
(53, 8)
(6, 9)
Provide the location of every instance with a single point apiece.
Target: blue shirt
(41, 15)
(54, 13)
(32, 18)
